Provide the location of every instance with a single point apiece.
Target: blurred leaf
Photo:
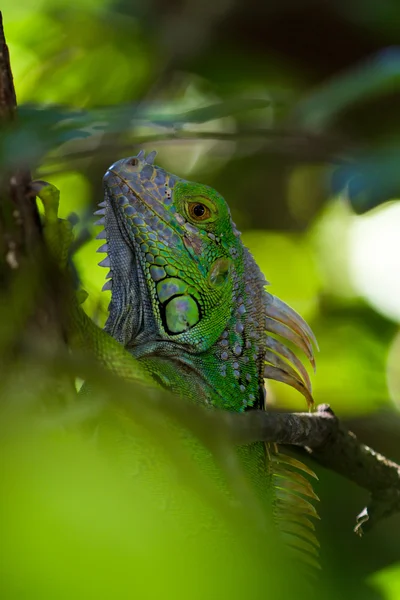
(220, 110)
(351, 367)
(330, 240)
(378, 75)
(81, 519)
(387, 581)
(370, 180)
(41, 129)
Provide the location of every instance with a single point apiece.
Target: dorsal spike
(271, 372)
(151, 157)
(279, 310)
(284, 331)
(107, 286)
(280, 363)
(105, 262)
(283, 350)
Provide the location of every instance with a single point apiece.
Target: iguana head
(184, 287)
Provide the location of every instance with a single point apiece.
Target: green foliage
(96, 79)
(96, 502)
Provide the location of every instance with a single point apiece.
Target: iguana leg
(83, 335)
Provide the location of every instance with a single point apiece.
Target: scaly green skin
(189, 310)
(188, 300)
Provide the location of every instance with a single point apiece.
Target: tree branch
(333, 447)
(20, 230)
(23, 253)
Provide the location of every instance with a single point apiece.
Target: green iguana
(189, 312)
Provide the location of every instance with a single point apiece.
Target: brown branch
(8, 101)
(24, 260)
(20, 229)
(332, 446)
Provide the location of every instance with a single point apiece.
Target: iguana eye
(198, 211)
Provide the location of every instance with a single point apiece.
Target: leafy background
(291, 111)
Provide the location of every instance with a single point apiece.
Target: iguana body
(189, 304)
